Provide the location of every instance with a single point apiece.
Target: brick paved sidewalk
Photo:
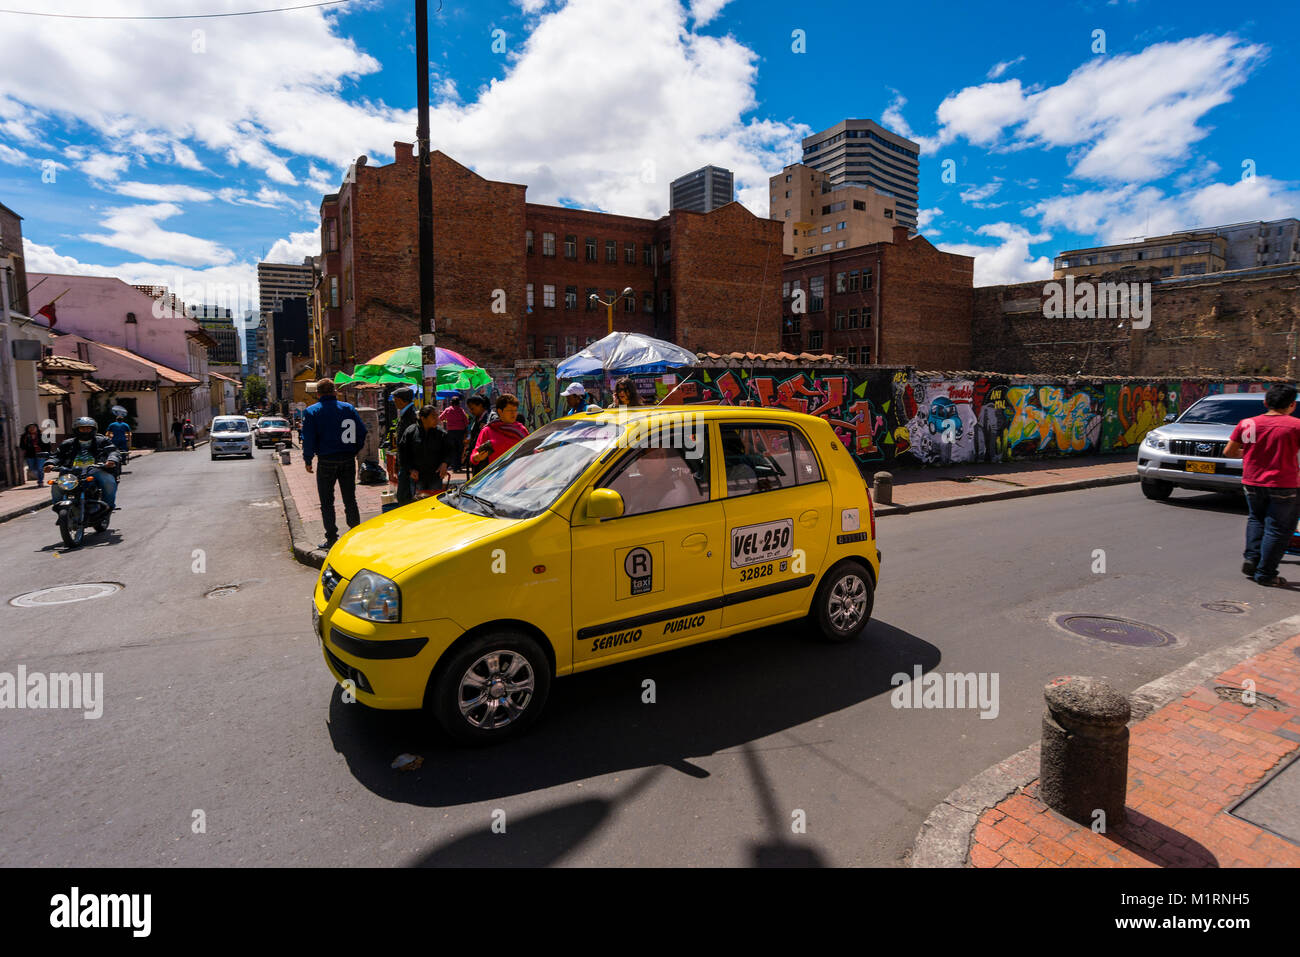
(1189, 762)
(30, 497)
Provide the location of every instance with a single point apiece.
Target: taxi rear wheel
(491, 689)
(843, 602)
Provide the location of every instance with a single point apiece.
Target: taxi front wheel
(843, 602)
(491, 689)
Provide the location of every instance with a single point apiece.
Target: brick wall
(1243, 322)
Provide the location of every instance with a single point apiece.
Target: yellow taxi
(599, 538)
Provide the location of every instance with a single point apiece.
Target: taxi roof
(629, 413)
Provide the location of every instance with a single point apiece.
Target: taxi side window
(764, 459)
(654, 479)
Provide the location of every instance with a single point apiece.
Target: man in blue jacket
(332, 431)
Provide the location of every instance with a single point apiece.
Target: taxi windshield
(229, 425)
(531, 476)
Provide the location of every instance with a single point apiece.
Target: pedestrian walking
(188, 434)
(500, 435)
(575, 399)
(176, 430)
(333, 432)
(430, 451)
(1269, 445)
(456, 422)
(35, 450)
(402, 399)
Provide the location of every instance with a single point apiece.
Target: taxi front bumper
(388, 665)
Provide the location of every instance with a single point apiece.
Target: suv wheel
(843, 602)
(491, 689)
(1157, 489)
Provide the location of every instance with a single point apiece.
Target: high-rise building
(277, 282)
(863, 151)
(820, 217)
(219, 323)
(703, 190)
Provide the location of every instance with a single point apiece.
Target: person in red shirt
(1269, 446)
(501, 434)
(455, 421)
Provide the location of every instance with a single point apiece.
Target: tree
(254, 392)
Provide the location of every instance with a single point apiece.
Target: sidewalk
(1191, 762)
(31, 497)
(919, 489)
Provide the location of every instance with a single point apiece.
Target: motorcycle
(82, 504)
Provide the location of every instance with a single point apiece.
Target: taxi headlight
(68, 482)
(373, 597)
(1156, 441)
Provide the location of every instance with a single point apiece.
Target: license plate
(1207, 467)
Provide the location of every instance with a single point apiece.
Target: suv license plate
(1207, 467)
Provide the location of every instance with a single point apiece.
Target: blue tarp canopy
(625, 353)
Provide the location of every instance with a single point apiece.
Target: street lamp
(609, 306)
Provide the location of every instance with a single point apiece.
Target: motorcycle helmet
(85, 428)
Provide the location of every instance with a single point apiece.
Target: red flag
(48, 312)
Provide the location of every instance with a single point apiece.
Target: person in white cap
(575, 399)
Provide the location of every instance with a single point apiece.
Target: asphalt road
(221, 705)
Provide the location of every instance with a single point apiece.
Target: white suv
(231, 435)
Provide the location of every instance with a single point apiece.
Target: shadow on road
(93, 539)
(709, 698)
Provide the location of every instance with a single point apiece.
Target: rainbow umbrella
(406, 360)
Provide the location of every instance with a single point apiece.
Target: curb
(25, 510)
(945, 837)
(883, 510)
(304, 551)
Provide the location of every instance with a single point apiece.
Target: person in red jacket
(501, 434)
(1269, 446)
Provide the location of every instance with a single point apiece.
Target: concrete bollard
(882, 488)
(284, 456)
(1084, 764)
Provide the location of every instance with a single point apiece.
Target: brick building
(1232, 323)
(902, 302)
(513, 278)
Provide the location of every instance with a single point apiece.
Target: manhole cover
(1117, 631)
(1227, 607)
(1258, 699)
(63, 594)
(221, 591)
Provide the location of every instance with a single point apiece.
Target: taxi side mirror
(604, 503)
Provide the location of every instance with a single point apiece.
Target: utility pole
(424, 197)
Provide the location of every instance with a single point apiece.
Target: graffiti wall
(899, 417)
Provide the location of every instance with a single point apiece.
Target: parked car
(620, 546)
(231, 435)
(1187, 452)
(272, 430)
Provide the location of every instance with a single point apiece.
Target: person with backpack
(188, 435)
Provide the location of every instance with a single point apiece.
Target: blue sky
(151, 151)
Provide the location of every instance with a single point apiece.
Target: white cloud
(293, 249)
(272, 197)
(1126, 117)
(13, 157)
(703, 11)
(321, 180)
(998, 69)
(1009, 262)
(163, 192)
(136, 230)
(975, 195)
(924, 217)
(1130, 212)
(892, 116)
(104, 166)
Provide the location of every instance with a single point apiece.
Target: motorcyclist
(86, 443)
(188, 434)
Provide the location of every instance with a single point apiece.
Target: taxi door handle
(809, 518)
(696, 542)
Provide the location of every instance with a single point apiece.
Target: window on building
(841, 281)
(815, 339)
(785, 290)
(347, 283)
(528, 240)
(853, 355)
(859, 204)
(548, 296)
(787, 192)
(889, 214)
(866, 317)
(611, 250)
(548, 347)
(839, 320)
(1166, 271)
(648, 301)
(826, 210)
(347, 221)
(787, 214)
(787, 177)
(816, 293)
(1192, 269)
(531, 347)
(647, 255)
(629, 253)
(668, 251)
(811, 249)
(853, 318)
(570, 345)
(528, 293)
(865, 355)
(842, 224)
(548, 244)
(839, 244)
(792, 324)
(334, 292)
(826, 247)
(826, 228)
(591, 303)
(591, 249)
(570, 297)
(331, 235)
(570, 247)
(866, 279)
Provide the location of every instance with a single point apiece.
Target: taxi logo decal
(751, 544)
(639, 566)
